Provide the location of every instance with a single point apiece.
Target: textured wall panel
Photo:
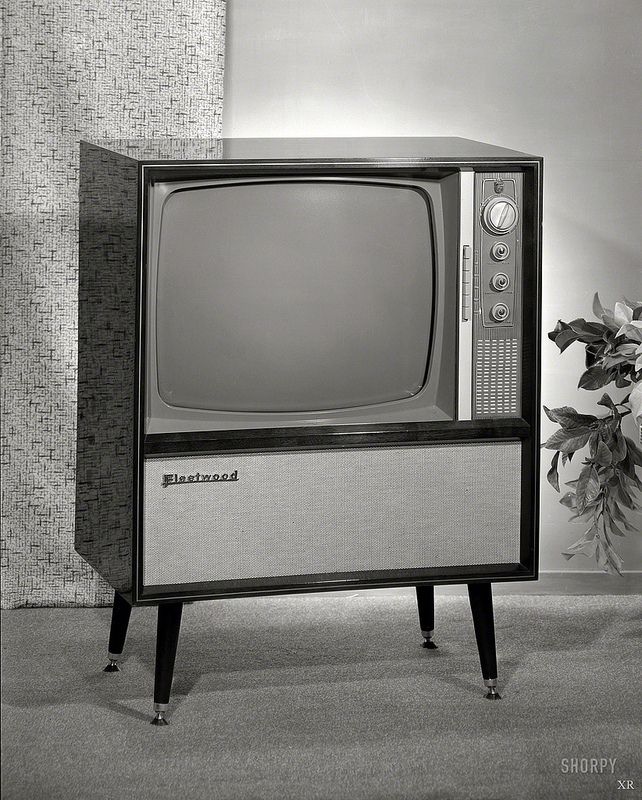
(337, 511)
(72, 70)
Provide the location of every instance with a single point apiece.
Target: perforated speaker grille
(497, 378)
(300, 513)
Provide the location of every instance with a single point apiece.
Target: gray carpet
(325, 697)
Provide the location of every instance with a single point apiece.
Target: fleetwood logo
(170, 479)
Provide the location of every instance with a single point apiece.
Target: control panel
(497, 247)
(497, 254)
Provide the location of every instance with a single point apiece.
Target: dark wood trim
(531, 304)
(174, 169)
(297, 584)
(332, 437)
(139, 378)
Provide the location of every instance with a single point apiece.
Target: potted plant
(606, 491)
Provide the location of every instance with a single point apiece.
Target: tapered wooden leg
(426, 608)
(481, 605)
(120, 614)
(168, 629)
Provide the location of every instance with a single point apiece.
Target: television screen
(293, 296)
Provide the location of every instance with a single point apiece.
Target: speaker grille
(305, 513)
(497, 378)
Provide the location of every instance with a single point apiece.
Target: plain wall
(558, 78)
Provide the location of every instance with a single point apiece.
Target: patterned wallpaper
(73, 69)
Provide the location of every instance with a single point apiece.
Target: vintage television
(306, 365)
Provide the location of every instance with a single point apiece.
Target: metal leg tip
(429, 644)
(112, 666)
(159, 719)
(492, 694)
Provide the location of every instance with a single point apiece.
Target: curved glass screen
(293, 296)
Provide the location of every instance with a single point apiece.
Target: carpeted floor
(326, 697)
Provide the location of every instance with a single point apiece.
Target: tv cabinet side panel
(108, 318)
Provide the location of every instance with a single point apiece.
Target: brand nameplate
(174, 479)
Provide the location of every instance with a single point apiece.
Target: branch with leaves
(608, 486)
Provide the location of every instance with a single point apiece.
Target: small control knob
(499, 312)
(500, 281)
(500, 215)
(500, 251)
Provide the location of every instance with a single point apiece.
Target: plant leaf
(585, 546)
(603, 454)
(624, 498)
(606, 401)
(606, 316)
(565, 338)
(614, 562)
(635, 401)
(587, 331)
(619, 449)
(588, 487)
(568, 500)
(632, 331)
(568, 441)
(598, 310)
(559, 327)
(622, 313)
(568, 417)
(632, 480)
(635, 454)
(552, 476)
(614, 528)
(594, 354)
(595, 378)
(617, 513)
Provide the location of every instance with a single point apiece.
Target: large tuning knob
(500, 215)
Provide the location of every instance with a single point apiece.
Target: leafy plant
(607, 485)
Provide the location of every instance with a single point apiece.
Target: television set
(304, 365)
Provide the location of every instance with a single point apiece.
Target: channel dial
(500, 215)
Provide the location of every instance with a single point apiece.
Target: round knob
(500, 281)
(500, 215)
(499, 312)
(500, 251)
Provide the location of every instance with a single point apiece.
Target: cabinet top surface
(428, 149)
